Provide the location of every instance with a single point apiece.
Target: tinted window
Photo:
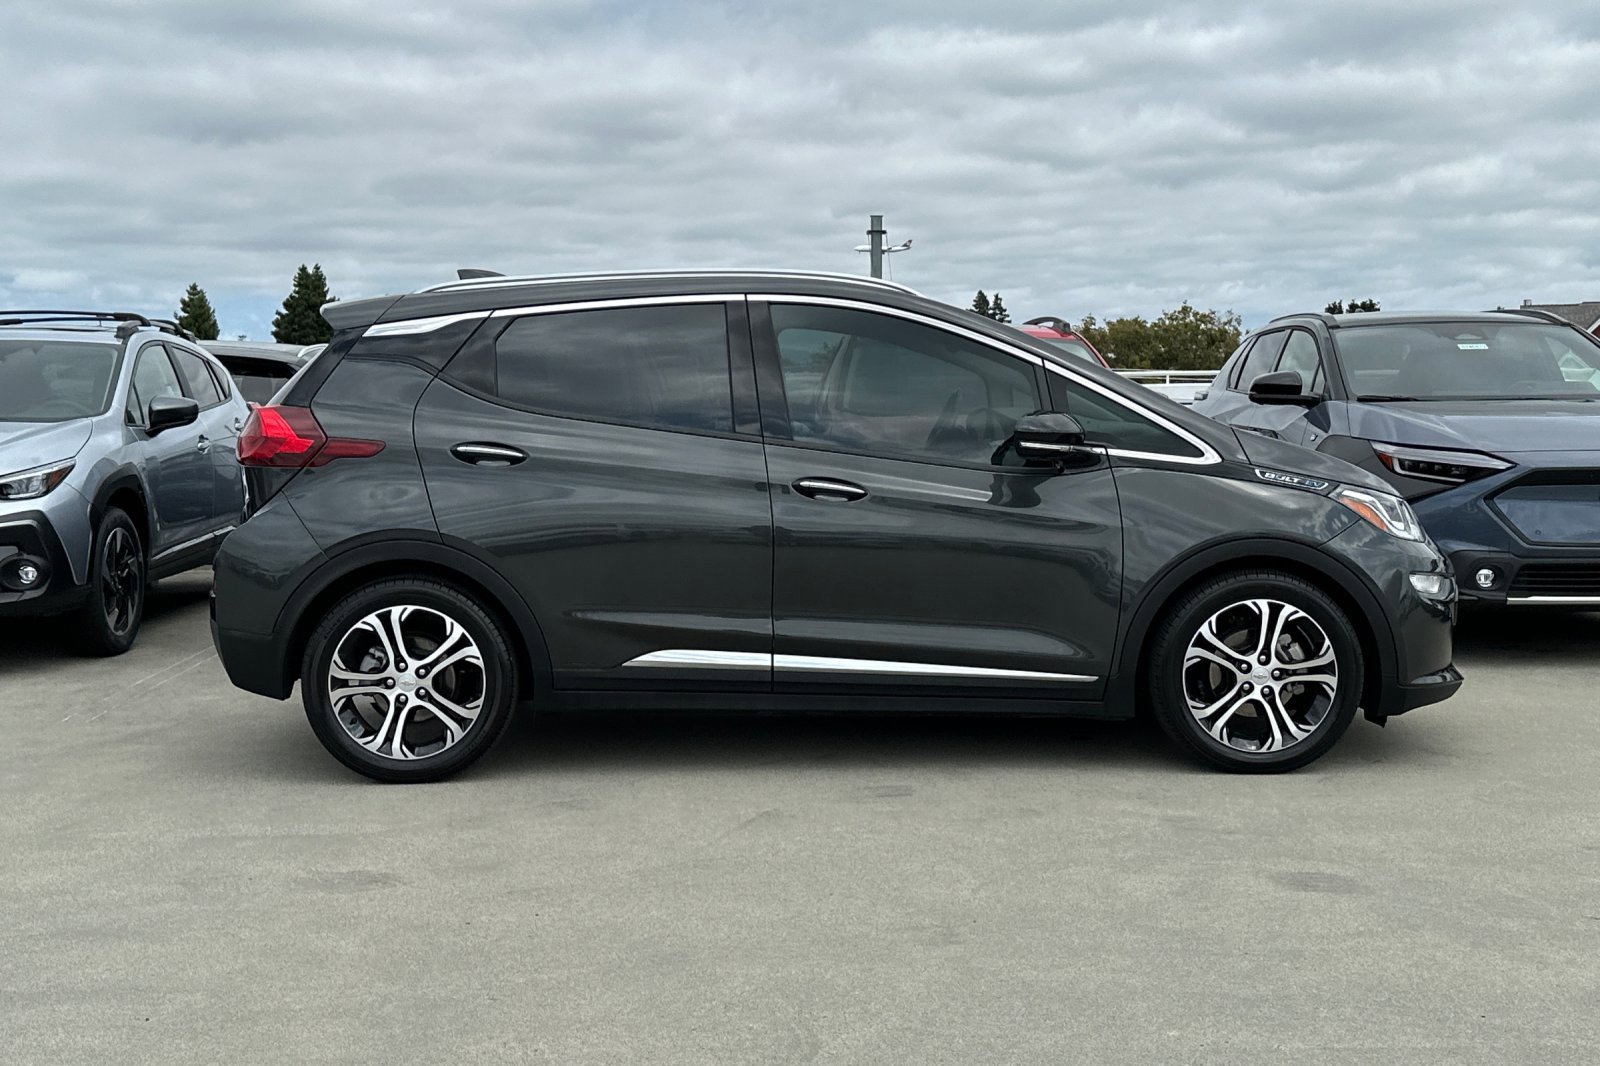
(1076, 349)
(664, 367)
(1107, 422)
(1262, 358)
(152, 376)
(882, 385)
(1468, 360)
(1300, 356)
(201, 385)
(53, 381)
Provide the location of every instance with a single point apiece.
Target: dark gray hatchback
(770, 491)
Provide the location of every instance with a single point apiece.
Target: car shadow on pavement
(28, 640)
(1557, 637)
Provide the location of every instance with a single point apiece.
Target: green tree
(997, 310)
(1185, 338)
(1340, 307)
(195, 313)
(300, 321)
(980, 304)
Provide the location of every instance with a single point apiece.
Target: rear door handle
(480, 454)
(827, 488)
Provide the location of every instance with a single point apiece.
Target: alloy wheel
(406, 682)
(121, 582)
(1260, 675)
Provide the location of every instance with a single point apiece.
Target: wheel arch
(1348, 587)
(398, 554)
(125, 489)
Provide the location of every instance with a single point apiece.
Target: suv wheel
(407, 680)
(1256, 672)
(109, 620)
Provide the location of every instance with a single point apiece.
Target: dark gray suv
(778, 491)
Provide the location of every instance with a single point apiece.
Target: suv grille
(1557, 579)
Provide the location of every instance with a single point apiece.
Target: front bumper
(30, 545)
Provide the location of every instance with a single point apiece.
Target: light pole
(874, 246)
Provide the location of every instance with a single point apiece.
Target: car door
(220, 421)
(176, 462)
(608, 462)
(914, 551)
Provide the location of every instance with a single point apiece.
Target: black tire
(496, 686)
(109, 620)
(1325, 716)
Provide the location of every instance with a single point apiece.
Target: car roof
(1396, 318)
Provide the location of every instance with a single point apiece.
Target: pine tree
(997, 310)
(980, 304)
(301, 321)
(195, 313)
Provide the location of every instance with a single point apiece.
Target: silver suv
(117, 465)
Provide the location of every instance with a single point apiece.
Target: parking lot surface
(188, 877)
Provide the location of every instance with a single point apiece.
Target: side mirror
(1047, 435)
(170, 412)
(1282, 387)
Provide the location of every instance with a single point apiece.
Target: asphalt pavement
(188, 878)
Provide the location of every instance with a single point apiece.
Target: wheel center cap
(407, 684)
(1261, 673)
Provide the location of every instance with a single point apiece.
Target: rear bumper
(253, 662)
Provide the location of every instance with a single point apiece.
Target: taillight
(283, 436)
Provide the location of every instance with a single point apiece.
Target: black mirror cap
(1282, 387)
(169, 412)
(1047, 435)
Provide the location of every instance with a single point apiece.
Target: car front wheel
(408, 680)
(110, 617)
(1256, 671)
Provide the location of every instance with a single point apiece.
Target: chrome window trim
(408, 326)
(469, 284)
(1208, 455)
(615, 302)
(702, 659)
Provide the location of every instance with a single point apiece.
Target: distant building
(1584, 315)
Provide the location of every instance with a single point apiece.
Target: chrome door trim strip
(224, 531)
(1208, 455)
(817, 663)
(616, 302)
(700, 659)
(1534, 601)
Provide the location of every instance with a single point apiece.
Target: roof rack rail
(1327, 319)
(556, 279)
(1540, 313)
(167, 325)
(128, 322)
(1060, 325)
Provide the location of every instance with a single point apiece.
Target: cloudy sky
(1080, 156)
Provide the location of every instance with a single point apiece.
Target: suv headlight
(1389, 513)
(1438, 464)
(31, 484)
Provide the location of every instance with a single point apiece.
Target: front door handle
(480, 454)
(827, 488)
(202, 444)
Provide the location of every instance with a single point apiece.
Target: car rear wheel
(109, 620)
(1256, 672)
(408, 680)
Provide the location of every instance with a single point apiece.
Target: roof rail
(167, 325)
(1060, 325)
(1327, 319)
(1540, 313)
(18, 318)
(557, 279)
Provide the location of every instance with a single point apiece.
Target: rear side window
(1107, 422)
(659, 367)
(1262, 358)
(202, 386)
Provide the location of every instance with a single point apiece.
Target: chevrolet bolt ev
(769, 491)
(117, 466)
(1488, 423)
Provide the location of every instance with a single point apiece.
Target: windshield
(1468, 361)
(55, 381)
(1076, 349)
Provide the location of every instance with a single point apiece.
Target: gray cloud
(1085, 157)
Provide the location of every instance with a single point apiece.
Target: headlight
(1437, 464)
(1389, 513)
(31, 484)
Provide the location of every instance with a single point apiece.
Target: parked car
(780, 491)
(1059, 333)
(1488, 423)
(117, 465)
(260, 369)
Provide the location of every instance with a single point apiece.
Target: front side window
(881, 385)
(1300, 355)
(1468, 361)
(152, 376)
(1262, 358)
(659, 367)
(55, 381)
(202, 386)
(1115, 425)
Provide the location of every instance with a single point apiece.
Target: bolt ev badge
(1292, 480)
